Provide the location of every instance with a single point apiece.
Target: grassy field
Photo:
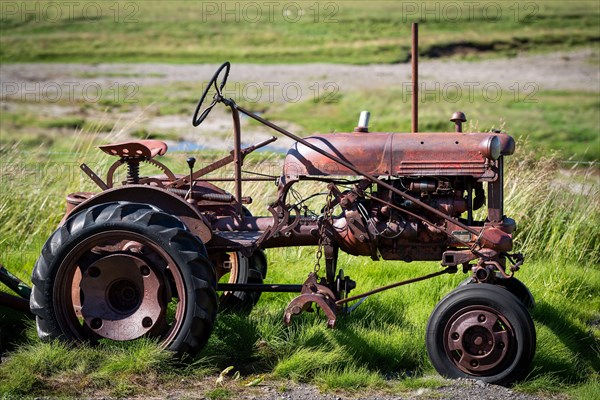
(379, 346)
(261, 32)
(561, 121)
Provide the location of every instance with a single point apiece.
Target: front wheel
(513, 285)
(120, 271)
(482, 332)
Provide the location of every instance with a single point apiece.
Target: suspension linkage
(449, 270)
(322, 296)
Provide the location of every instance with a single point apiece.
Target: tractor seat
(136, 149)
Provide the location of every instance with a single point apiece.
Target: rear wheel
(481, 331)
(120, 271)
(236, 268)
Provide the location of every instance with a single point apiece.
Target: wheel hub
(122, 297)
(478, 340)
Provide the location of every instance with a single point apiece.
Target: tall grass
(32, 200)
(557, 210)
(379, 345)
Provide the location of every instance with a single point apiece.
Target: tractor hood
(418, 154)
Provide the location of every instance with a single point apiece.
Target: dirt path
(577, 70)
(449, 390)
(33, 87)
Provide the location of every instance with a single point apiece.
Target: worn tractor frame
(146, 257)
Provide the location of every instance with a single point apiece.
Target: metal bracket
(313, 292)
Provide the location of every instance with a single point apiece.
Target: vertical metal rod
(469, 202)
(496, 194)
(415, 77)
(237, 159)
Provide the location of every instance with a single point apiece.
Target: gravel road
(577, 70)
(463, 389)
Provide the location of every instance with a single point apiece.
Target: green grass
(219, 394)
(29, 130)
(563, 121)
(337, 31)
(380, 346)
(120, 371)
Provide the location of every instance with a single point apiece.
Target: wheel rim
(227, 268)
(233, 270)
(478, 340)
(119, 285)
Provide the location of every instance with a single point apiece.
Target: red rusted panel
(423, 154)
(136, 149)
(369, 152)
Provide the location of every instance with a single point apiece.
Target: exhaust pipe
(363, 122)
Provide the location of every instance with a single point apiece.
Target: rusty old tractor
(158, 256)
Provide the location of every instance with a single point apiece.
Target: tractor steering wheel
(197, 119)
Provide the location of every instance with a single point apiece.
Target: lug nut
(96, 323)
(93, 272)
(145, 270)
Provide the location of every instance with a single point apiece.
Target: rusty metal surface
(238, 160)
(95, 178)
(121, 297)
(136, 149)
(75, 199)
(496, 239)
(399, 208)
(114, 285)
(257, 287)
(415, 77)
(478, 339)
(133, 176)
(313, 293)
(339, 153)
(371, 155)
(219, 164)
(379, 153)
(458, 118)
(350, 167)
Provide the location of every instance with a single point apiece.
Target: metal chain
(327, 218)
